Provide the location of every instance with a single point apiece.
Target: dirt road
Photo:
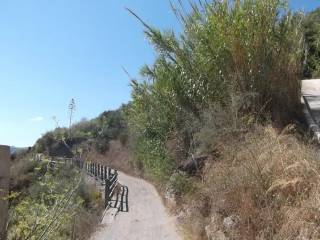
(146, 218)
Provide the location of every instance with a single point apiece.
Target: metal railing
(106, 175)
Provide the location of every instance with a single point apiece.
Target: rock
(192, 165)
(212, 230)
(218, 235)
(230, 222)
(170, 197)
(181, 217)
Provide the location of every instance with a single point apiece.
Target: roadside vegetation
(215, 122)
(58, 201)
(311, 27)
(241, 59)
(96, 133)
(51, 203)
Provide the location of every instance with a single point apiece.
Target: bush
(154, 160)
(53, 204)
(242, 56)
(311, 26)
(181, 183)
(248, 49)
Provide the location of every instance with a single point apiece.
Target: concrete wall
(4, 188)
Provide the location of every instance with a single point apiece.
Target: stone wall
(4, 188)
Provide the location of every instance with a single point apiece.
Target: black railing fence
(106, 175)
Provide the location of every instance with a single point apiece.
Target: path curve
(147, 218)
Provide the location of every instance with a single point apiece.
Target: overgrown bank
(208, 120)
(214, 122)
(51, 202)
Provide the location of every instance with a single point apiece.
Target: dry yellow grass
(269, 180)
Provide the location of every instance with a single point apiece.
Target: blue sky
(55, 50)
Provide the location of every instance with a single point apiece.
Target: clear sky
(55, 50)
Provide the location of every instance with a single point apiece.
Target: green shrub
(311, 26)
(243, 56)
(48, 206)
(181, 183)
(154, 159)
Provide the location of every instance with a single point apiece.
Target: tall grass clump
(242, 56)
(267, 182)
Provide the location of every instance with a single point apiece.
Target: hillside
(14, 150)
(215, 123)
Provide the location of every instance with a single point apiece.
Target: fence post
(4, 189)
(105, 173)
(106, 193)
(109, 173)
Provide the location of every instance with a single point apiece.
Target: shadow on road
(121, 199)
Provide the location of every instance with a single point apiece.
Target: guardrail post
(109, 173)
(106, 193)
(4, 189)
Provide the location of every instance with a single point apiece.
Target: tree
(311, 26)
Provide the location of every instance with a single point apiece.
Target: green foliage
(47, 208)
(181, 183)
(229, 49)
(23, 173)
(242, 56)
(55, 143)
(153, 159)
(311, 26)
(108, 126)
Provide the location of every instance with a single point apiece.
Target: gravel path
(146, 219)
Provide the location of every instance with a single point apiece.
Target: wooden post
(4, 189)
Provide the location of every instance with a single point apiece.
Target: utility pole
(4, 189)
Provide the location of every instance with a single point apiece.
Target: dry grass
(269, 180)
(117, 157)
